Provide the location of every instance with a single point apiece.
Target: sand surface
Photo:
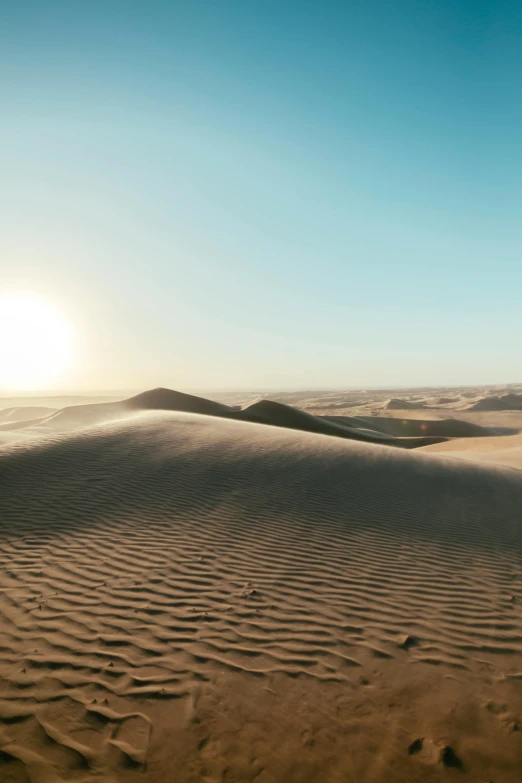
(190, 594)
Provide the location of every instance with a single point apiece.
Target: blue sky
(268, 194)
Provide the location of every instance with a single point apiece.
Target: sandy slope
(504, 402)
(268, 412)
(506, 450)
(192, 598)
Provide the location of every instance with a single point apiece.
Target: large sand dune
(399, 433)
(504, 402)
(187, 597)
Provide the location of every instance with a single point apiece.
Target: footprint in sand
(431, 752)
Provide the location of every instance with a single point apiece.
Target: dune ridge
(504, 402)
(397, 404)
(401, 434)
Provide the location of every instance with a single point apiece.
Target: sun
(35, 342)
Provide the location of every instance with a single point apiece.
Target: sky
(239, 194)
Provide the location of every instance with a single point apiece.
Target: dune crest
(504, 402)
(402, 405)
(399, 433)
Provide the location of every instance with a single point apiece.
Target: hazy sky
(268, 193)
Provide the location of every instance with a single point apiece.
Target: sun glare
(35, 342)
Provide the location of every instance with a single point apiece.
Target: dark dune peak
(503, 402)
(277, 414)
(170, 400)
(154, 399)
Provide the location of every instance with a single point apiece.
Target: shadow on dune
(445, 429)
(406, 434)
(504, 402)
(402, 405)
(277, 414)
(182, 469)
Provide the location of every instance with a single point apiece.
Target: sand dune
(73, 417)
(279, 415)
(444, 429)
(504, 402)
(441, 400)
(192, 598)
(169, 400)
(407, 435)
(383, 402)
(263, 411)
(24, 413)
(402, 405)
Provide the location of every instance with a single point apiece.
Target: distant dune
(505, 402)
(267, 412)
(441, 400)
(169, 400)
(403, 405)
(401, 433)
(223, 594)
(444, 429)
(10, 415)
